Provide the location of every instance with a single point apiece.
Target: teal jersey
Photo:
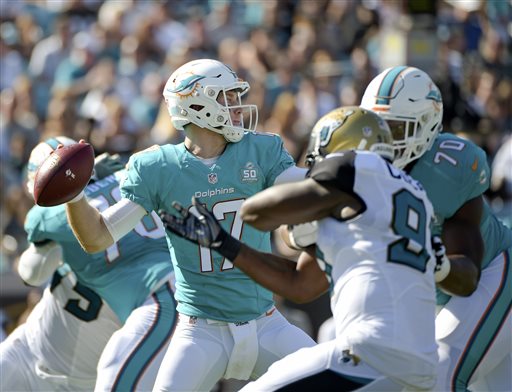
(208, 285)
(126, 273)
(453, 172)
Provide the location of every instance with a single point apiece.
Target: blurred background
(95, 70)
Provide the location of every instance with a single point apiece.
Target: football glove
(202, 228)
(105, 165)
(443, 266)
(303, 235)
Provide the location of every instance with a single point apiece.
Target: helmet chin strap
(222, 132)
(230, 133)
(232, 136)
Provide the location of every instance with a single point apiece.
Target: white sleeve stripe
(122, 217)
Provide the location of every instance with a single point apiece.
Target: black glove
(203, 229)
(106, 164)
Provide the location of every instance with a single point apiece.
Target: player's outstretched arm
(293, 203)
(97, 231)
(464, 248)
(88, 226)
(299, 282)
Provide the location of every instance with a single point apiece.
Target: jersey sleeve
(143, 177)
(276, 157)
(44, 224)
(477, 176)
(336, 170)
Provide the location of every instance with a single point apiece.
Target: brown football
(64, 174)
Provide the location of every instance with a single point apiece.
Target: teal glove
(106, 164)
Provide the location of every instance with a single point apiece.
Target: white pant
(475, 333)
(132, 356)
(21, 370)
(312, 361)
(200, 350)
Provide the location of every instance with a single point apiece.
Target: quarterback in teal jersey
(228, 326)
(473, 329)
(133, 277)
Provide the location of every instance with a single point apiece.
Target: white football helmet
(411, 103)
(192, 92)
(39, 154)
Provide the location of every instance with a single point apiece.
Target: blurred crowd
(95, 70)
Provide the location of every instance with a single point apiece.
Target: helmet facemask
(232, 115)
(410, 140)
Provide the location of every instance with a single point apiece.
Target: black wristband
(229, 246)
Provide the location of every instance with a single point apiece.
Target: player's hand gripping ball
(64, 174)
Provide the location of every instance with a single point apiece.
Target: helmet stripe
(52, 142)
(384, 93)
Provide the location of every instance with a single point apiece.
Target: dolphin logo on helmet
(187, 85)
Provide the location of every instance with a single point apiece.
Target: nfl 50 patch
(249, 173)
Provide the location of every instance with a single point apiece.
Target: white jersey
(68, 330)
(379, 266)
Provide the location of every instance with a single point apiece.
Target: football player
(474, 327)
(118, 303)
(228, 325)
(373, 252)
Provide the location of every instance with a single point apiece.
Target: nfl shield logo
(212, 178)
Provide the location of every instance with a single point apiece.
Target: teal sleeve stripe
(52, 142)
(384, 93)
(486, 330)
(148, 348)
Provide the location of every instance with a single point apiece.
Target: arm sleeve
(38, 263)
(142, 184)
(122, 217)
(274, 147)
(476, 180)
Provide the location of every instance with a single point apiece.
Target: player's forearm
(88, 226)
(277, 274)
(463, 277)
(296, 203)
(465, 249)
(284, 203)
